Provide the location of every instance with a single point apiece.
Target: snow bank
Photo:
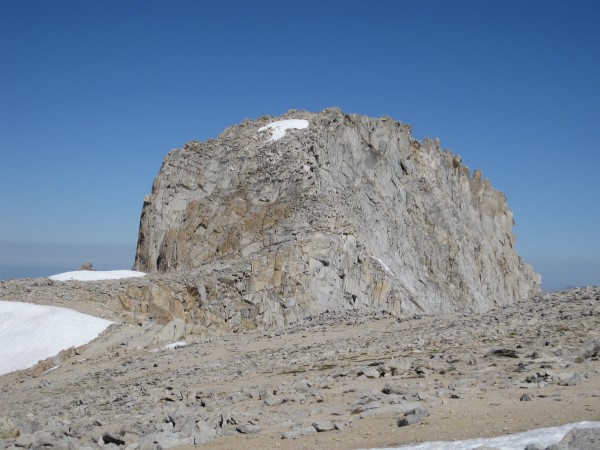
(542, 436)
(30, 333)
(96, 275)
(281, 126)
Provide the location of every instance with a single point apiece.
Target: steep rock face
(350, 212)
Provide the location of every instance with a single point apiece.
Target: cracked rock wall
(348, 213)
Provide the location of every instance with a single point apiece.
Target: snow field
(96, 275)
(30, 333)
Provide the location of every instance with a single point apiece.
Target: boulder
(415, 415)
(581, 439)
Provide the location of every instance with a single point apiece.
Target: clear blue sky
(93, 94)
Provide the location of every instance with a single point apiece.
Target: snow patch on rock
(173, 346)
(280, 127)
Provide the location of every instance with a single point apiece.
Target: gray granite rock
(248, 428)
(413, 416)
(324, 425)
(349, 213)
(581, 439)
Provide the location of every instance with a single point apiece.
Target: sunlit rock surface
(350, 212)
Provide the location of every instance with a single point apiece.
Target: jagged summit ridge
(348, 212)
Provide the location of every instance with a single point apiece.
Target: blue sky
(93, 94)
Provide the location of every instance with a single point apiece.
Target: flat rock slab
(247, 428)
(324, 425)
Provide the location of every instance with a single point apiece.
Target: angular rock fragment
(413, 416)
(572, 380)
(504, 353)
(324, 425)
(371, 372)
(108, 438)
(589, 350)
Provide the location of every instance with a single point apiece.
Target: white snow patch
(96, 275)
(281, 126)
(52, 369)
(30, 333)
(542, 436)
(173, 346)
(384, 265)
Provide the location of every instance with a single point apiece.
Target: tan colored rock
(8, 430)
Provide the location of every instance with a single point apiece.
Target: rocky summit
(316, 212)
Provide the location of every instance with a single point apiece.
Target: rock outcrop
(349, 212)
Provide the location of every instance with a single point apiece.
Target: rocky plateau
(337, 380)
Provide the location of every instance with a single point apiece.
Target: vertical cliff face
(338, 211)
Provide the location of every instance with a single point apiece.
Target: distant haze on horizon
(36, 259)
(94, 94)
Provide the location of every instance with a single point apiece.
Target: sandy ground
(493, 410)
(489, 415)
(321, 371)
